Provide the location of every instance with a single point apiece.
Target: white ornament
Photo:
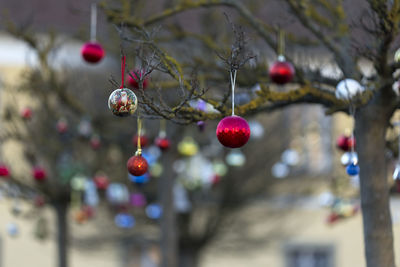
(290, 157)
(280, 170)
(348, 88)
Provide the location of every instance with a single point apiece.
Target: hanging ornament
(290, 157)
(162, 141)
(4, 171)
(280, 170)
(353, 169)
(188, 147)
(156, 170)
(12, 229)
(39, 174)
(78, 182)
(26, 113)
(80, 217)
(396, 173)
(219, 168)
(90, 196)
(348, 157)
(345, 142)
(256, 129)
(233, 131)
(201, 125)
(396, 87)
(281, 71)
(236, 158)
(122, 102)
(137, 165)
(95, 141)
(133, 79)
(348, 88)
(117, 194)
(154, 211)
(88, 211)
(181, 199)
(144, 140)
(139, 180)
(397, 56)
(138, 200)
(62, 126)
(101, 181)
(124, 220)
(85, 127)
(92, 52)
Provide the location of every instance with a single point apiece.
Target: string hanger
(281, 42)
(93, 22)
(123, 62)
(233, 83)
(139, 134)
(352, 111)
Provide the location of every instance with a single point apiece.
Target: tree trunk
(370, 129)
(188, 257)
(169, 247)
(61, 209)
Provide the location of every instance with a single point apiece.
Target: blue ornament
(154, 211)
(124, 220)
(150, 157)
(139, 180)
(353, 169)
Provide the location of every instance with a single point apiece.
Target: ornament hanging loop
(139, 134)
(93, 22)
(123, 62)
(281, 42)
(233, 83)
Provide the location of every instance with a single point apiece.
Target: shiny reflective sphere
(233, 131)
(137, 165)
(122, 102)
(281, 72)
(92, 52)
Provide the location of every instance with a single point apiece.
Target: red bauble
(39, 174)
(101, 182)
(4, 171)
(281, 71)
(95, 142)
(233, 131)
(92, 52)
(332, 218)
(143, 140)
(137, 165)
(345, 142)
(133, 83)
(163, 143)
(26, 113)
(62, 126)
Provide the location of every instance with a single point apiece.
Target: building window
(300, 255)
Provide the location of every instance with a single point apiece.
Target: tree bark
(188, 257)
(370, 129)
(61, 209)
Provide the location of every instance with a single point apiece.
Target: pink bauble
(92, 52)
(39, 174)
(133, 83)
(233, 131)
(26, 113)
(281, 72)
(4, 171)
